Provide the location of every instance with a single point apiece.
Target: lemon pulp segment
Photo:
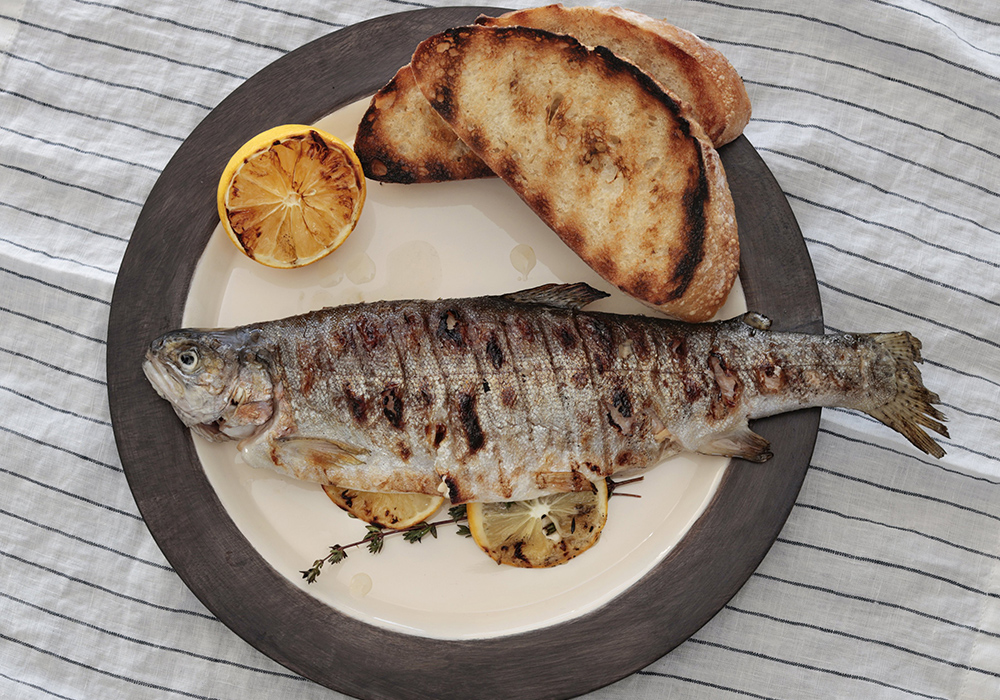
(540, 532)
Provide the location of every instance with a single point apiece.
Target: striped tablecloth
(880, 120)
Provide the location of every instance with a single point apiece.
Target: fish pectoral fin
(563, 296)
(742, 442)
(317, 452)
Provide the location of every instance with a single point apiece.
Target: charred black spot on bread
(614, 65)
(542, 206)
(507, 168)
(443, 100)
(384, 167)
(436, 171)
(475, 141)
(470, 422)
(694, 200)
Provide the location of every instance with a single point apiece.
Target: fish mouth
(170, 388)
(166, 385)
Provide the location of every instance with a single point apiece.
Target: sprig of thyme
(375, 537)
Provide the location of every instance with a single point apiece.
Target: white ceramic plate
(428, 241)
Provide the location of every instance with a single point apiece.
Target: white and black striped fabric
(880, 120)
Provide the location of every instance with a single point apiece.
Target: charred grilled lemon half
(397, 511)
(543, 531)
(291, 195)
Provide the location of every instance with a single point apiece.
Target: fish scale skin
(507, 398)
(585, 392)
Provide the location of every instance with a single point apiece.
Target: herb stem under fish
(375, 537)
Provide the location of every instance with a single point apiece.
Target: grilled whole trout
(511, 397)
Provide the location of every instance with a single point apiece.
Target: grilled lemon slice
(543, 531)
(397, 511)
(291, 195)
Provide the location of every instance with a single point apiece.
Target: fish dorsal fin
(563, 296)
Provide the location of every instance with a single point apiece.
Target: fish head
(202, 375)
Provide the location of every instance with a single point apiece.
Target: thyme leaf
(375, 536)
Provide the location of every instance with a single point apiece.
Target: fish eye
(188, 359)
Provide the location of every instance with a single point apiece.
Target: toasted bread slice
(610, 161)
(677, 59)
(400, 139)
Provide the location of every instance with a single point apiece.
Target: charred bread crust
(387, 150)
(679, 60)
(613, 163)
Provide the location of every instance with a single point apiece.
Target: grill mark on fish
(368, 331)
(474, 435)
(494, 351)
(356, 370)
(392, 406)
(489, 416)
(600, 435)
(558, 376)
(418, 360)
(602, 350)
(526, 403)
(566, 337)
(620, 400)
(395, 395)
(357, 404)
(440, 432)
(451, 328)
(445, 399)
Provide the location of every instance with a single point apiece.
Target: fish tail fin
(912, 406)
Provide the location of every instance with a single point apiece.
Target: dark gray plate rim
(226, 573)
